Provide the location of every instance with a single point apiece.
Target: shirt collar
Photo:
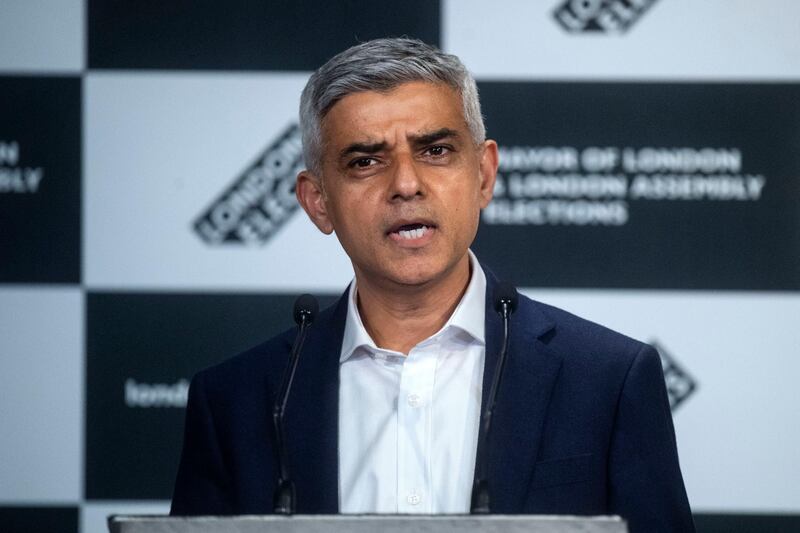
(469, 315)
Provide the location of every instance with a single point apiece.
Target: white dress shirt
(408, 425)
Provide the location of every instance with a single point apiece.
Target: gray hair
(381, 65)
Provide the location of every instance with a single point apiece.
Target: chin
(408, 271)
(417, 274)
(413, 281)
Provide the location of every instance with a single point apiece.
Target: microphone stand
(305, 308)
(505, 304)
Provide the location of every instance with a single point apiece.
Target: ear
(311, 196)
(488, 170)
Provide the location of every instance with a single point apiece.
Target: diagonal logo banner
(680, 384)
(600, 16)
(260, 200)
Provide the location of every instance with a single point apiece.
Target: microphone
(306, 308)
(505, 303)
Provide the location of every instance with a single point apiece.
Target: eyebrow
(362, 148)
(432, 137)
(418, 140)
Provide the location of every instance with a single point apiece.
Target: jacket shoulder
(266, 360)
(579, 339)
(263, 361)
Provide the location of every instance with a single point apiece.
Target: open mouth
(412, 231)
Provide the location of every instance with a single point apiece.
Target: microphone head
(306, 306)
(505, 293)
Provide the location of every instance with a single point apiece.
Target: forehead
(409, 108)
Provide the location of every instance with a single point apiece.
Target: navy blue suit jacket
(582, 425)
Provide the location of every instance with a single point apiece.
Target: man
(384, 414)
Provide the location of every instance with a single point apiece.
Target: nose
(407, 182)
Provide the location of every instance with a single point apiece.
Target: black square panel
(645, 185)
(142, 350)
(40, 179)
(39, 519)
(246, 34)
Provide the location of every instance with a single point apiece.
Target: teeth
(413, 233)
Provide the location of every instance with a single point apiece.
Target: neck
(399, 318)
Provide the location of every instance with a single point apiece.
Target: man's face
(402, 183)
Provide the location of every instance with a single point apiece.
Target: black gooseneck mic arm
(305, 309)
(505, 303)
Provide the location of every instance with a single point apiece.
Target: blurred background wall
(650, 181)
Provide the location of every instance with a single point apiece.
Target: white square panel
(41, 391)
(42, 35)
(738, 433)
(94, 516)
(160, 148)
(673, 39)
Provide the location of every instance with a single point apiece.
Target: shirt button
(413, 498)
(414, 400)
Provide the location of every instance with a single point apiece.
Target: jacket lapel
(522, 400)
(312, 415)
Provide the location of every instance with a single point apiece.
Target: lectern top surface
(367, 524)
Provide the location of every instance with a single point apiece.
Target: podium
(367, 524)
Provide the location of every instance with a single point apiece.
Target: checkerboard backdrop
(650, 181)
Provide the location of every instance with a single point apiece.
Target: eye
(362, 162)
(438, 150)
